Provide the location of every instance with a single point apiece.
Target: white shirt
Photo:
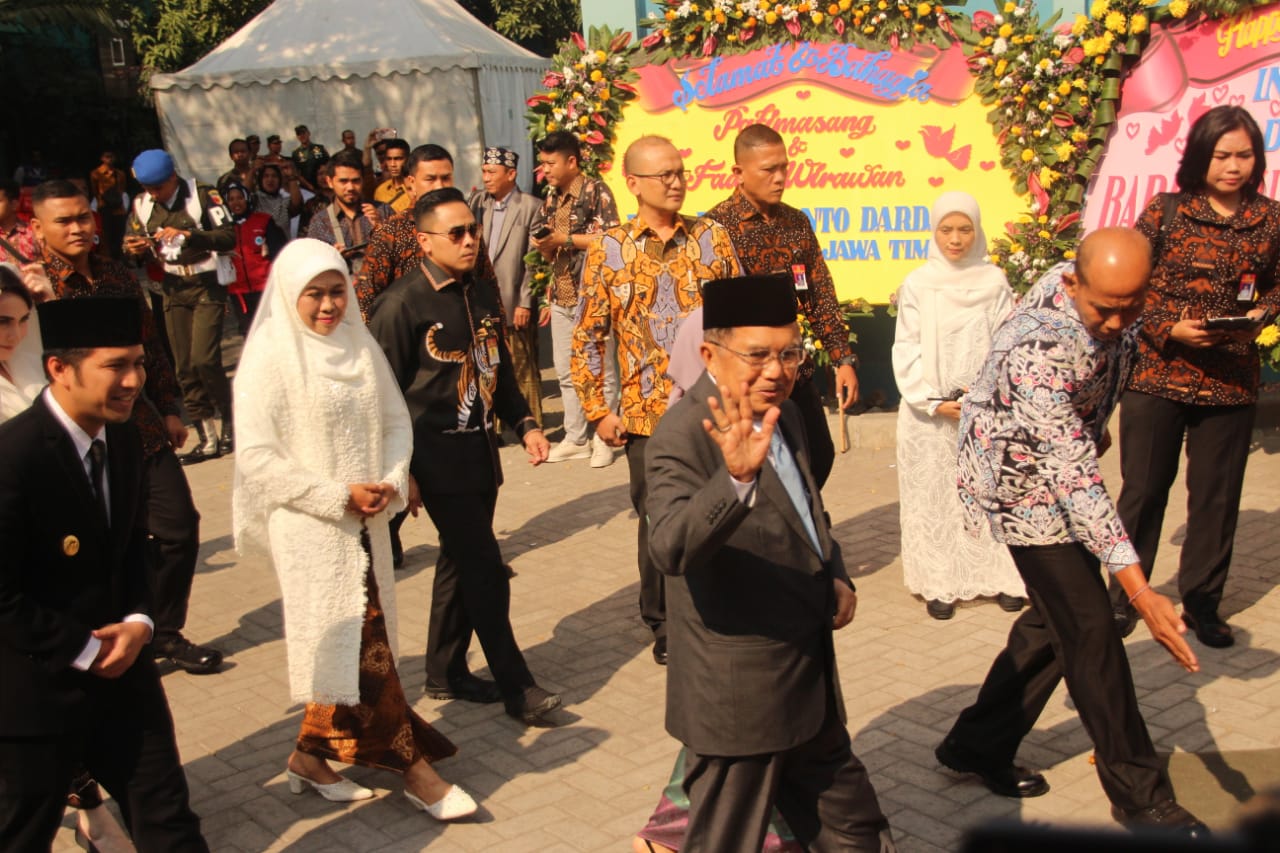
(82, 442)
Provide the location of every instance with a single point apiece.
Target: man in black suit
(441, 328)
(756, 587)
(74, 613)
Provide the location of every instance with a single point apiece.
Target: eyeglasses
(670, 179)
(455, 233)
(789, 358)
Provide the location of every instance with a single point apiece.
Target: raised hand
(732, 427)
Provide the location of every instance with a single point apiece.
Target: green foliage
(539, 25)
(33, 14)
(172, 34)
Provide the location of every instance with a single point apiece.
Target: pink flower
(838, 26)
(600, 120)
(793, 27)
(578, 40)
(944, 23)
(537, 99)
(983, 19)
(1074, 56)
(652, 40)
(1037, 192)
(594, 137)
(709, 46)
(893, 40)
(552, 80)
(747, 35)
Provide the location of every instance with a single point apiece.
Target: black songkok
(752, 300)
(501, 157)
(90, 322)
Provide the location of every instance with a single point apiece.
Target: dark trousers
(244, 306)
(128, 745)
(471, 593)
(820, 788)
(173, 542)
(193, 312)
(822, 450)
(653, 591)
(1066, 634)
(1217, 438)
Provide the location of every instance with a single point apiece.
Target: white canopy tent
(424, 67)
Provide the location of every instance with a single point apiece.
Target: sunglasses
(455, 233)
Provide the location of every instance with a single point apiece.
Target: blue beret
(153, 167)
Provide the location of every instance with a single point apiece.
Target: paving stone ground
(588, 785)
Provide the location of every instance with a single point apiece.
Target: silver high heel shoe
(342, 791)
(455, 804)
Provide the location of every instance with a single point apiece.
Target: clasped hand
(121, 643)
(369, 499)
(732, 427)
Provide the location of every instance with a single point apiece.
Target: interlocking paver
(569, 532)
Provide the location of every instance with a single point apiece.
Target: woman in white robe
(21, 376)
(322, 458)
(948, 310)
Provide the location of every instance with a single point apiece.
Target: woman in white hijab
(324, 440)
(21, 376)
(948, 310)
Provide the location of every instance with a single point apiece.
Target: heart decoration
(1236, 100)
(1131, 129)
(1219, 92)
(903, 144)
(846, 153)
(1275, 108)
(803, 94)
(987, 165)
(686, 152)
(935, 182)
(1180, 144)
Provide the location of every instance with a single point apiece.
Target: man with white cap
(184, 225)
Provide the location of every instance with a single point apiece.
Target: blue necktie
(784, 464)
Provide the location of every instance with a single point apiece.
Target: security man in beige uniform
(183, 225)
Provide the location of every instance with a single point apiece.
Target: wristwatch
(849, 360)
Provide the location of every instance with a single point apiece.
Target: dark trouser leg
(448, 629)
(653, 592)
(397, 521)
(826, 796)
(1217, 453)
(162, 328)
(173, 527)
(822, 451)
(1151, 430)
(523, 344)
(475, 577)
(134, 756)
(729, 801)
(113, 233)
(206, 346)
(179, 313)
(1071, 614)
(35, 774)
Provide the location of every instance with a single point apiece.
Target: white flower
(1019, 11)
(1062, 41)
(1000, 47)
(999, 20)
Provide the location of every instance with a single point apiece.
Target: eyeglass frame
(472, 230)
(750, 360)
(668, 179)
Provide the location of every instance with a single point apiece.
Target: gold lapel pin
(71, 546)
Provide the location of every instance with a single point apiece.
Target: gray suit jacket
(749, 600)
(509, 247)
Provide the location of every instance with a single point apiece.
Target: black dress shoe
(533, 706)
(1209, 628)
(469, 688)
(1010, 603)
(1126, 619)
(227, 439)
(940, 610)
(1167, 815)
(197, 660)
(660, 651)
(1009, 781)
(197, 455)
